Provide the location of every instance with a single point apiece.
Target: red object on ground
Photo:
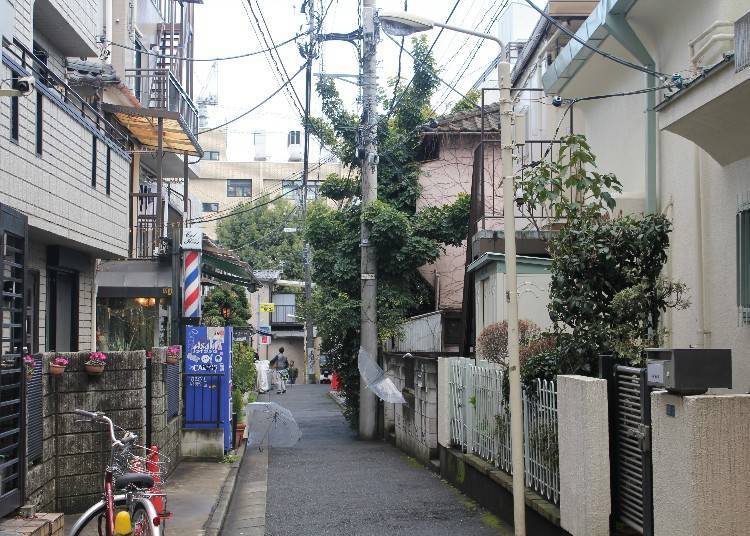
(152, 467)
(335, 382)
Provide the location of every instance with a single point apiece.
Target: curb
(215, 521)
(337, 398)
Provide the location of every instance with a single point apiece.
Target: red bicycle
(131, 489)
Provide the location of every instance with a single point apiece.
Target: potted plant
(57, 365)
(95, 364)
(173, 355)
(28, 366)
(238, 409)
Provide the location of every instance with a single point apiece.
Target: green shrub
(243, 367)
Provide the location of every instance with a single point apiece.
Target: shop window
(125, 324)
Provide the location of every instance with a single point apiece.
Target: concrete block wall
(75, 453)
(701, 464)
(583, 443)
(165, 432)
(83, 449)
(415, 423)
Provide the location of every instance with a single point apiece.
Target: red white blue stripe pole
(192, 285)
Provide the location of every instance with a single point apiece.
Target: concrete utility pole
(368, 402)
(511, 297)
(309, 328)
(405, 24)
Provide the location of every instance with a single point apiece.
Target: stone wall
(165, 432)
(68, 477)
(415, 423)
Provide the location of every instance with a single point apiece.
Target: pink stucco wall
(442, 180)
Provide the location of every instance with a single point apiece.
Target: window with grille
(210, 207)
(239, 188)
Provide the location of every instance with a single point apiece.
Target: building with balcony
(685, 149)
(286, 323)
(64, 202)
(222, 184)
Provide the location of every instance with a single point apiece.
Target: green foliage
(404, 239)
(606, 292)
(339, 188)
(468, 102)
(257, 236)
(243, 367)
(232, 296)
(566, 187)
(237, 403)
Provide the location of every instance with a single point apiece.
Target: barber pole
(192, 285)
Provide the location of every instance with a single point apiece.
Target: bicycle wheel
(141, 522)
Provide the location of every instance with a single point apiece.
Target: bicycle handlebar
(101, 418)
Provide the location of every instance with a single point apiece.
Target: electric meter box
(689, 371)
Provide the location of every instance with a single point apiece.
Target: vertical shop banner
(208, 379)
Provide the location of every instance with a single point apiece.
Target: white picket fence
(480, 423)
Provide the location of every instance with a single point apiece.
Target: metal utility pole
(309, 334)
(368, 402)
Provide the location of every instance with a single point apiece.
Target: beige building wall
(267, 177)
(699, 195)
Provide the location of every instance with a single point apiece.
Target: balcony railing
(159, 88)
(57, 89)
(146, 240)
(285, 314)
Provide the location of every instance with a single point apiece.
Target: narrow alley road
(331, 483)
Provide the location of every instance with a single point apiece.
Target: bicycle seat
(136, 480)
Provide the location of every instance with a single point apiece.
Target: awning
(134, 279)
(143, 124)
(227, 271)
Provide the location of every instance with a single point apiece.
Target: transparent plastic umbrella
(376, 380)
(271, 424)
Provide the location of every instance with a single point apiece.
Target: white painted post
(583, 439)
(444, 403)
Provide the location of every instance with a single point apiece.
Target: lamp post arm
(475, 34)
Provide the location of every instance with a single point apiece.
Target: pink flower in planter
(29, 364)
(97, 358)
(60, 361)
(149, 354)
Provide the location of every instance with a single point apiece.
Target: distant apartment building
(222, 184)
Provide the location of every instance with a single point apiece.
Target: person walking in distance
(281, 365)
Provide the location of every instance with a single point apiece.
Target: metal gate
(13, 233)
(630, 446)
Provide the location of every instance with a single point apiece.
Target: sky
(225, 28)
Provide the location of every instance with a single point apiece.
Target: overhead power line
(244, 210)
(261, 103)
(607, 55)
(221, 58)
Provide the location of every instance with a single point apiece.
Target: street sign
(192, 238)
(290, 229)
(267, 307)
(265, 340)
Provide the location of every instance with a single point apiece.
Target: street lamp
(402, 24)
(226, 312)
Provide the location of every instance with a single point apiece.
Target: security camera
(519, 197)
(20, 87)
(557, 101)
(25, 85)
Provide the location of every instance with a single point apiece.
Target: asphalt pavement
(332, 483)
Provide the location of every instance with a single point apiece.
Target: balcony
(285, 314)
(65, 97)
(146, 242)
